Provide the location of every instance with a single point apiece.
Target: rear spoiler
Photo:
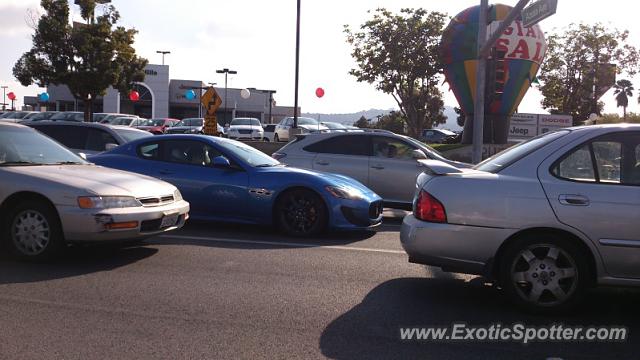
(437, 167)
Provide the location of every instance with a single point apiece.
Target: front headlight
(345, 192)
(177, 196)
(107, 202)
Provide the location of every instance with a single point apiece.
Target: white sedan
(245, 129)
(50, 197)
(546, 218)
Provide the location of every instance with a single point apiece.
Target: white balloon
(245, 93)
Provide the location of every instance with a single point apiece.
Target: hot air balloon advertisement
(512, 66)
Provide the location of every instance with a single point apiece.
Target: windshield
(122, 121)
(64, 116)
(25, 146)
(254, 122)
(249, 154)
(307, 121)
(332, 125)
(507, 157)
(131, 134)
(190, 122)
(155, 122)
(139, 122)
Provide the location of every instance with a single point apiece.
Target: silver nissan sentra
(547, 218)
(49, 196)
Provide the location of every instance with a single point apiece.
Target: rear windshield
(509, 156)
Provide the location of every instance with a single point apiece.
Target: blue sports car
(227, 180)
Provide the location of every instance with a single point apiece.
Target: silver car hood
(98, 180)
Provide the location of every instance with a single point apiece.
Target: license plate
(169, 220)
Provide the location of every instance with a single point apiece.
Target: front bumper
(86, 225)
(357, 214)
(455, 248)
(237, 136)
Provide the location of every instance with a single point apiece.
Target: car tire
(32, 231)
(276, 138)
(544, 273)
(301, 213)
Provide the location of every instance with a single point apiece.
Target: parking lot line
(275, 243)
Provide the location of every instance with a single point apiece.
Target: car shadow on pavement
(371, 329)
(242, 236)
(74, 261)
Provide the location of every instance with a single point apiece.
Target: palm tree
(624, 90)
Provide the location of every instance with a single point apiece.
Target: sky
(257, 39)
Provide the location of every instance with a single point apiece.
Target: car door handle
(377, 167)
(166, 172)
(573, 200)
(322, 162)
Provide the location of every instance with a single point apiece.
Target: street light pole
(4, 97)
(226, 72)
(295, 106)
(271, 92)
(163, 54)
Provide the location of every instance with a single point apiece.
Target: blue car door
(213, 192)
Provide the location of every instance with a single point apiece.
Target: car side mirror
(221, 162)
(110, 146)
(418, 155)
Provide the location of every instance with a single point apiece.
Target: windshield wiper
(12, 163)
(66, 163)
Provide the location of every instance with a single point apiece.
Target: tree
(575, 59)
(399, 53)
(461, 116)
(362, 123)
(624, 90)
(87, 58)
(393, 121)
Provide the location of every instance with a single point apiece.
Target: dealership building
(162, 97)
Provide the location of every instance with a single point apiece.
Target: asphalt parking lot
(226, 291)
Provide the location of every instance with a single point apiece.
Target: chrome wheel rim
(544, 275)
(30, 232)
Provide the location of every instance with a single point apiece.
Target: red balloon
(11, 96)
(134, 96)
(319, 92)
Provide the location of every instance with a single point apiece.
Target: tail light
(278, 155)
(429, 208)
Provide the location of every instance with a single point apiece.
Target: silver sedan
(547, 218)
(50, 196)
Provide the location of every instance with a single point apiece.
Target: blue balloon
(44, 97)
(190, 94)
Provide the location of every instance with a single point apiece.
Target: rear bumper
(80, 225)
(455, 248)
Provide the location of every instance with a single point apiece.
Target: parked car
(124, 120)
(245, 129)
(546, 219)
(188, 126)
(439, 136)
(157, 126)
(50, 197)
(383, 161)
(306, 125)
(15, 116)
(88, 138)
(68, 116)
(105, 118)
(39, 116)
(269, 131)
(230, 181)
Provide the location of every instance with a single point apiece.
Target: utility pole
(4, 97)
(484, 47)
(163, 54)
(226, 72)
(295, 106)
(271, 92)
